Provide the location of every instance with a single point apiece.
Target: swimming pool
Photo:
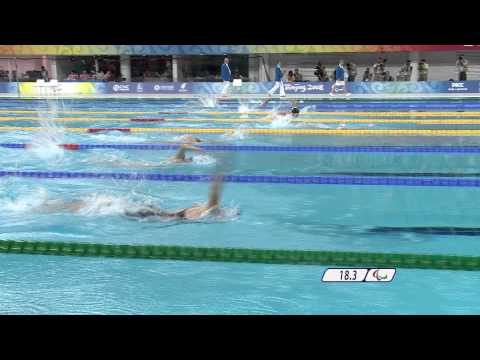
(262, 215)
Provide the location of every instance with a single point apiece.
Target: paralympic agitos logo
(379, 275)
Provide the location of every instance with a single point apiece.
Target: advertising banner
(297, 88)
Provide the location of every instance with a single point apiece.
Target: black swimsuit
(151, 211)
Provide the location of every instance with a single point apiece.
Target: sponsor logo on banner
(139, 87)
(121, 88)
(457, 86)
(183, 87)
(158, 87)
(305, 87)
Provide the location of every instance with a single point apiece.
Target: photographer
(367, 75)
(351, 71)
(423, 70)
(462, 67)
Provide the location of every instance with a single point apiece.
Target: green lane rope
(244, 255)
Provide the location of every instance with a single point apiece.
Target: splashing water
(281, 121)
(26, 202)
(104, 204)
(203, 160)
(208, 101)
(44, 143)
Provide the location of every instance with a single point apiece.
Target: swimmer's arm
(214, 196)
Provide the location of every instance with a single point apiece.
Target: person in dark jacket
(226, 75)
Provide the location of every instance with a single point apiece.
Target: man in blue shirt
(340, 79)
(278, 81)
(226, 75)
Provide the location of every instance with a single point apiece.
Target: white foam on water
(26, 202)
(44, 143)
(281, 121)
(204, 160)
(104, 204)
(208, 101)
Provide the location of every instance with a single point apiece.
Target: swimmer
(190, 139)
(211, 207)
(180, 155)
(295, 110)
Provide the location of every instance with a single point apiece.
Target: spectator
(377, 66)
(379, 72)
(72, 76)
(298, 76)
(405, 72)
(367, 75)
(462, 67)
(319, 71)
(422, 70)
(100, 75)
(84, 75)
(388, 77)
(291, 76)
(44, 73)
(352, 71)
(108, 76)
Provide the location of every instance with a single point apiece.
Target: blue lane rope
(323, 180)
(327, 149)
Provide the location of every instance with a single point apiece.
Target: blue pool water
(276, 216)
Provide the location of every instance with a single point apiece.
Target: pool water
(272, 216)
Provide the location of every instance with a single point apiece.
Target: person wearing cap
(226, 75)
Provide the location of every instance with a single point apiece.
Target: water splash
(203, 160)
(208, 101)
(26, 202)
(104, 204)
(44, 143)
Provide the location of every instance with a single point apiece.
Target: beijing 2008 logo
(115, 87)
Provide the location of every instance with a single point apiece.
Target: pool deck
(253, 96)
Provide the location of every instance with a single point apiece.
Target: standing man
(340, 77)
(462, 67)
(44, 73)
(422, 70)
(226, 75)
(278, 81)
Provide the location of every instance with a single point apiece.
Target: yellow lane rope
(366, 113)
(277, 131)
(264, 120)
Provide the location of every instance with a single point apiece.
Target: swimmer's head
(295, 112)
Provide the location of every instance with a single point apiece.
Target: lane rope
(259, 120)
(297, 180)
(326, 149)
(377, 113)
(181, 130)
(244, 255)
